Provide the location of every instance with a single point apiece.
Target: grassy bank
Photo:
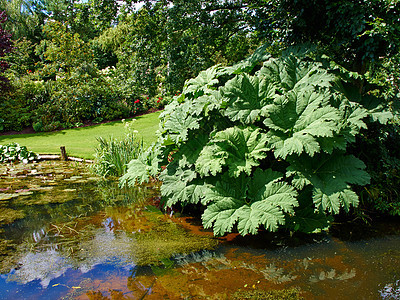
(81, 142)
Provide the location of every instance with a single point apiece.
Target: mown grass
(81, 142)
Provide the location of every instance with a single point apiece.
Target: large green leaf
(330, 177)
(297, 121)
(305, 217)
(291, 73)
(180, 122)
(142, 168)
(203, 104)
(239, 149)
(190, 150)
(203, 82)
(264, 189)
(180, 185)
(247, 95)
(266, 204)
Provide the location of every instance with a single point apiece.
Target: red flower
(137, 101)
(160, 98)
(158, 101)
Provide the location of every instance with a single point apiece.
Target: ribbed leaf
(190, 150)
(266, 204)
(247, 95)
(180, 122)
(203, 82)
(180, 185)
(290, 73)
(136, 173)
(203, 104)
(236, 148)
(330, 176)
(251, 217)
(297, 121)
(264, 189)
(141, 169)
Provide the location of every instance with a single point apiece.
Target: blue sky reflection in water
(67, 250)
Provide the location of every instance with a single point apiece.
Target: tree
(347, 31)
(167, 42)
(26, 19)
(5, 47)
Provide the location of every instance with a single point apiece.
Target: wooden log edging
(58, 157)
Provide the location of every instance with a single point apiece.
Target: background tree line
(93, 60)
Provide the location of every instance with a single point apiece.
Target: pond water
(65, 234)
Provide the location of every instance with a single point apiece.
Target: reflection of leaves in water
(202, 256)
(276, 275)
(333, 276)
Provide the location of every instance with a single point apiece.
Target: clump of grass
(112, 155)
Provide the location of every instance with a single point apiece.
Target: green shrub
(15, 152)
(261, 146)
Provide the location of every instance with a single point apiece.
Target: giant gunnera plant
(259, 145)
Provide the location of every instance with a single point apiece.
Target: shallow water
(66, 235)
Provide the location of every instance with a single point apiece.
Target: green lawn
(81, 142)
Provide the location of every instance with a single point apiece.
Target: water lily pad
(45, 188)
(25, 193)
(7, 196)
(73, 178)
(81, 181)
(93, 178)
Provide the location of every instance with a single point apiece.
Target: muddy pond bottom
(65, 234)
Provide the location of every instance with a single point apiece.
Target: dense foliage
(92, 60)
(263, 147)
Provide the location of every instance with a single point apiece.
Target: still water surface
(65, 234)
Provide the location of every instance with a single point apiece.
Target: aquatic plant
(262, 144)
(288, 294)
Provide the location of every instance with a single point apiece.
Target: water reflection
(94, 241)
(43, 266)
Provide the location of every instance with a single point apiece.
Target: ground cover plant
(81, 142)
(14, 152)
(263, 144)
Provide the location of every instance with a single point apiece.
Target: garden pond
(66, 234)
